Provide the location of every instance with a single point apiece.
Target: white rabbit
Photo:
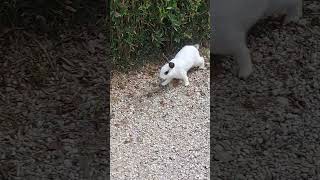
(231, 20)
(187, 58)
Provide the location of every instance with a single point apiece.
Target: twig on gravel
(1, 98)
(3, 174)
(167, 59)
(313, 32)
(65, 40)
(43, 49)
(6, 117)
(61, 42)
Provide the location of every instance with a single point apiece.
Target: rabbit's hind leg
(202, 64)
(294, 12)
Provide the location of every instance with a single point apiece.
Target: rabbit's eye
(166, 72)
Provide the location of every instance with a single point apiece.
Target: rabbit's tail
(197, 46)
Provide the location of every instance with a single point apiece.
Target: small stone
(291, 116)
(223, 156)
(218, 148)
(246, 151)
(240, 177)
(67, 163)
(260, 140)
(283, 101)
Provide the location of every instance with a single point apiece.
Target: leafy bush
(143, 27)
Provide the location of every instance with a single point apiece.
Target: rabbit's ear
(171, 65)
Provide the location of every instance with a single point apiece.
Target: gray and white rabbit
(187, 58)
(231, 20)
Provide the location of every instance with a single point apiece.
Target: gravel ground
(268, 126)
(53, 105)
(159, 133)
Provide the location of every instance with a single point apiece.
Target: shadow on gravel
(54, 102)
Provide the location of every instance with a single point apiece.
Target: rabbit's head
(167, 70)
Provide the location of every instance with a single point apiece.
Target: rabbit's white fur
(231, 20)
(187, 58)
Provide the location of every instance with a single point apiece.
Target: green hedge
(143, 28)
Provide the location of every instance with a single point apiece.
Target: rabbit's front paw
(166, 82)
(244, 73)
(163, 84)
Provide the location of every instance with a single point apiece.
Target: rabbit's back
(187, 57)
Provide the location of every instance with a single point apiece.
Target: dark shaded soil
(54, 104)
(268, 126)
